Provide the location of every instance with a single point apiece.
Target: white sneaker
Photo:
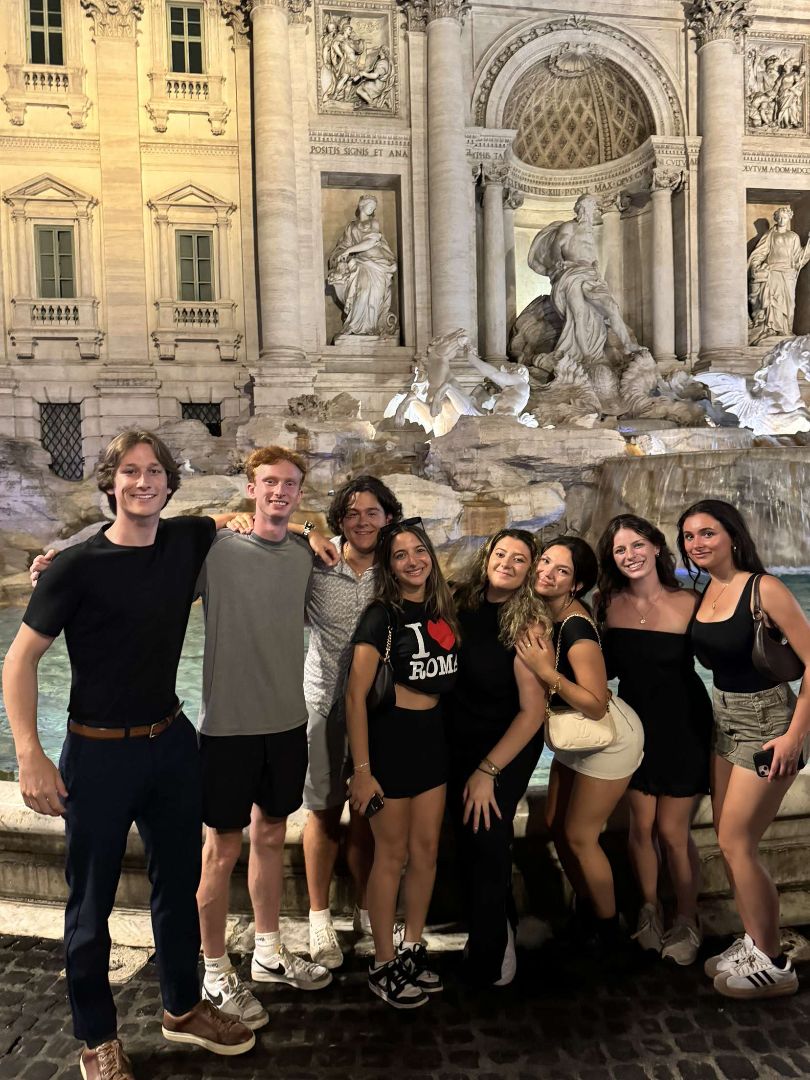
(726, 960)
(230, 995)
(285, 967)
(682, 941)
(509, 962)
(649, 930)
(323, 945)
(361, 924)
(756, 976)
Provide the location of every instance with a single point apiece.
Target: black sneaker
(414, 960)
(393, 984)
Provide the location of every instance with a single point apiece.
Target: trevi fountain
(529, 264)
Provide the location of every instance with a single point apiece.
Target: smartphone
(374, 804)
(763, 759)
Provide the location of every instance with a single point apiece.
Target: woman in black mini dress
(646, 618)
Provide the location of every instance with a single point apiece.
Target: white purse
(569, 729)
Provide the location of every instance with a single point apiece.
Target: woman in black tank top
(751, 713)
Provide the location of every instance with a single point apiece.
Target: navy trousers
(485, 857)
(154, 783)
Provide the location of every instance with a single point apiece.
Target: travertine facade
(175, 173)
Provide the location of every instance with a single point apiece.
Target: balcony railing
(46, 84)
(38, 319)
(181, 321)
(181, 93)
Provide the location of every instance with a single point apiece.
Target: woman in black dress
(495, 727)
(646, 618)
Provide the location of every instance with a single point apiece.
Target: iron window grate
(208, 411)
(61, 435)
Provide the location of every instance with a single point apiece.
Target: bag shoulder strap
(756, 603)
(575, 615)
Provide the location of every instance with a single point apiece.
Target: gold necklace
(717, 598)
(643, 617)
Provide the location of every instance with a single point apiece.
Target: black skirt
(407, 750)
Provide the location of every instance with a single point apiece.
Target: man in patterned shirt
(339, 595)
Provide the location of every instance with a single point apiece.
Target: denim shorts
(743, 722)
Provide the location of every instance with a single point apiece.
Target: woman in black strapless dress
(646, 640)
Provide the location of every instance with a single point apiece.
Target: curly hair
(342, 501)
(744, 552)
(271, 455)
(111, 457)
(523, 608)
(611, 580)
(438, 598)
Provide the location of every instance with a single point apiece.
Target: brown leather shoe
(107, 1062)
(206, 1026)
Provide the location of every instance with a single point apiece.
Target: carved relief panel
(776, 85)
(357, 62)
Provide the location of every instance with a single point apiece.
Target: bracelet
(491, 768)
(365, 765)
(555, 689)
(486, 772)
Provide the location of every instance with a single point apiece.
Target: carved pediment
(193, 196)
(47, 188)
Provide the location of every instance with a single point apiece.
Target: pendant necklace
(642, 618)
(716, 600)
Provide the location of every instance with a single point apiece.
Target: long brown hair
(438, 598)
(611, 580)
(523, 607)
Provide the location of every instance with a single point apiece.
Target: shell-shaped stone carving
(575, 109)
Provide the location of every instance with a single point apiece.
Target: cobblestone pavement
(556, 1022)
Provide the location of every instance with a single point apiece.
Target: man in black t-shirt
(122, 599)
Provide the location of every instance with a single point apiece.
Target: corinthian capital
(295, 10)
(717, 20)
(666, 179)
(114, 18)
(235, 14)
(421, 12)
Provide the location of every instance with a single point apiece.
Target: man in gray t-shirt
(253, 741)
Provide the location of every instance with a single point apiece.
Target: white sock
(268, 943)
(320, 918)
(217, 965)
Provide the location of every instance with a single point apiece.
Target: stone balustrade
(201, 322)
(187, 93)
(46, 84)
(35, 320)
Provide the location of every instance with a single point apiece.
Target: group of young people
(415, 698)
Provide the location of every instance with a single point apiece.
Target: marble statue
(773, 271)
(769, 403)
(360, 269)
(342, 56)
(434, 399)
(566, 252)
(512, 389)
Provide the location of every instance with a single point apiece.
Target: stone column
(662, 274)
(719, 27)
(125, 311)
(85, 254)
(223, 256)
(276, 199)
(21, 243)
(513, 200)
(494, 276)
(450, 218)
(163, 257)
(612, 252)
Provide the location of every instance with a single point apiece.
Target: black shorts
(240, 770)
(407, 750)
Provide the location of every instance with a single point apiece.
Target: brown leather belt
(145, 731)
